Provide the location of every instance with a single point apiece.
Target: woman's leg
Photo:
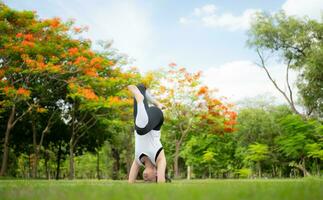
(141, 118)
(146, 118)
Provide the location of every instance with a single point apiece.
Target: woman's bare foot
(135, 91)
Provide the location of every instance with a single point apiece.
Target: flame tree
(189, 104)
(47, 67)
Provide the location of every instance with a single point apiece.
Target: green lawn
(274, 189)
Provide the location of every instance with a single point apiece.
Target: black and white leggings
(146, 118)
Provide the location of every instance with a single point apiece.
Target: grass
(273, 189)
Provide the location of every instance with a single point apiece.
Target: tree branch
(263, 65)
(88, 127)
(21, 116)
(288, 85)
(49, 124)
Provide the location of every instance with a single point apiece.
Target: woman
(148, 148)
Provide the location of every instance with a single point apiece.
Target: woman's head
(150, 172)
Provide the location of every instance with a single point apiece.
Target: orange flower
(7, 89)
(71, 85)
(41, 65)
(19, 35)
(27, 43)
(88, 93)
(111, 63)
(55, 22)
(56, 68)
(233, 115)
(22, 91)
(228, 129)
(172, 64)
(29, 37)
(73, 51)
(91, 72)
(80, 60)
(202, 90)
(96, 60)
(88, 53)
(230, 122)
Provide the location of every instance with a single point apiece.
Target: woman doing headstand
(148, 148)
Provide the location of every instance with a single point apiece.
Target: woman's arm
(161, 167)
(133, 172)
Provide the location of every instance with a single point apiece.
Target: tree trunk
(6, 142)
(210, 174)
(188, 172)
(259, 169)
(29, 166)
(98, 164)
(318, 167)
(176, 172)
(58, 161)
(35, 163)
(303, 167)
(115, 168)
(38, 146)
(36, 149)
(72, 172)
(46, 165)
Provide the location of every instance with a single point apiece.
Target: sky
(200, 35)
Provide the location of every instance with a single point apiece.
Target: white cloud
(208, 9)
(184, 20)
(243, 79)
(311, 8)
(229, 21)
(124, 22)
(208, 16)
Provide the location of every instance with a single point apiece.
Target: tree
(315, 150)
(190, 104)
(43, 63)
(180, 99)
(297, 133)
(299, 43)
(17, 42)
(256, 153)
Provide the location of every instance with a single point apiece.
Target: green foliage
(299, 43)
(257, 152)
(297, 133)
(244, 172)
(315, 150)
